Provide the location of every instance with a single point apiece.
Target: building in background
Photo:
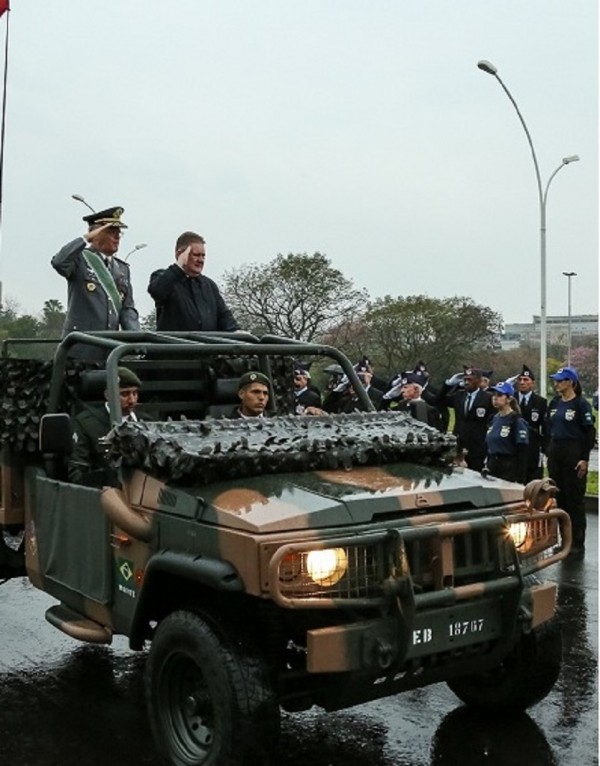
(557, 328)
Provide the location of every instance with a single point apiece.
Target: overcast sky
(358, 128)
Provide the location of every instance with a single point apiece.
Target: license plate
(455, 626)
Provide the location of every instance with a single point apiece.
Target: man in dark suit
(473, 410)
(411, 401)
(88, 459)
(533, 411)
(100, 296)
(185, 299)
(304, 396)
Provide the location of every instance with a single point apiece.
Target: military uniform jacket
(88, 306)
(88, 452)
(188, 303)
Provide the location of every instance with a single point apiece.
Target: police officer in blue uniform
(507, 437)
(100, 295)
(570, 425)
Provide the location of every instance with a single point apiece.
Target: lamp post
(135, 249)
(568, 275)
(488, 67)
(79, 198)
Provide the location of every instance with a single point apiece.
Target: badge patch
(480, 412)
(570, 415)
(505, 431)
(91, 286)
(535, 416)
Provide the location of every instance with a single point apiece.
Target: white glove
(394, 392)
(342, 385)
(512, 380)
(456, 379)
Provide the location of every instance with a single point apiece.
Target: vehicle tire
(209, 699)
(522, 679)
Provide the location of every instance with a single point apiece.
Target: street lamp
(135, 249)
(488, 67)
(79, 198)
(568, 275)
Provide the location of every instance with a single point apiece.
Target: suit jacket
(308, 398)
(188, 303)
(88, 306)
(420, 410)
(534, 414)
(471, 427)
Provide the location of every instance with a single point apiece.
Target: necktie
(523, 401)
(468, 402)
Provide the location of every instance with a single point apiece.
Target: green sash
(97, 265)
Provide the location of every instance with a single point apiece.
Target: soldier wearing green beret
(253, 390)
(88, 457)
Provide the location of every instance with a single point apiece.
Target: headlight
(327, 567)
(518, 533)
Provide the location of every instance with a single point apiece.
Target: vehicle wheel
(523, 678)
(209, 699)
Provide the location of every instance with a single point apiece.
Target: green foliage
(592, 483)
(299, 296)
(446, 333)
(47, 325)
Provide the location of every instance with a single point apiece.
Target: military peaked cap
(111, 215)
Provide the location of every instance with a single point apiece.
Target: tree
(443, 332)
(585, 361)
(148, 322)
(52, 318)
(299, 296)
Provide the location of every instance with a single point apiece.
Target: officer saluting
(100, 295)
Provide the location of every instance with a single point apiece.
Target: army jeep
(276, 562)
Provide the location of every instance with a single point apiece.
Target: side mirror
(55, 433)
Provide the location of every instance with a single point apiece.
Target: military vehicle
(276, 562)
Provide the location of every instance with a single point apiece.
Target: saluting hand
(91, 235)
(182, 258)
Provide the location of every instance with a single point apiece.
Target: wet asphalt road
(64, 703)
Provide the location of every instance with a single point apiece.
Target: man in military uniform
(253, 391)
(533, 411)
(87, 462)
(100, 295)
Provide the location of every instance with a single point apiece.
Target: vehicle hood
(285, 502)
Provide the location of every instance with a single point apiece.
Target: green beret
(128, 379)
(253, 377)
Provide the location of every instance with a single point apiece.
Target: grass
(592, 483)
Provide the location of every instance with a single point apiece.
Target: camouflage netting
(24, 389)
(199, 452)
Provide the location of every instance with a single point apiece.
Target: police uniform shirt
(569, 420)
(505, 434)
